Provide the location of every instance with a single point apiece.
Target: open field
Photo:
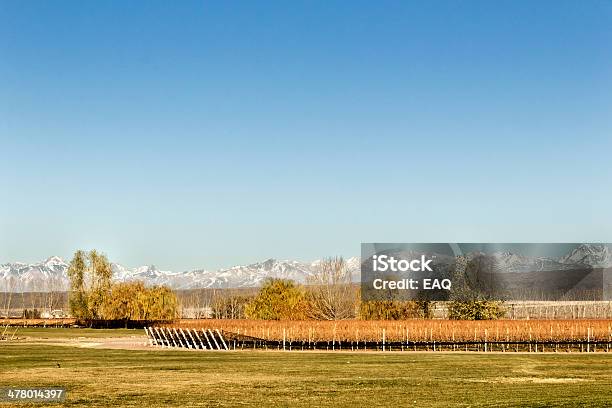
(37, 333)
(110, 378)
(125, 339)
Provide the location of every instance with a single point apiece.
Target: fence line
(225, 340)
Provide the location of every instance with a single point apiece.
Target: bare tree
(331, 292)
(35, 294)
(54, 287)
(229, 304)
(9, 288)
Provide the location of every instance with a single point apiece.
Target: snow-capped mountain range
(51, 275)
(590, 255)
(596, 255)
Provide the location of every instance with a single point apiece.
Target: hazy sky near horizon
(209, 134)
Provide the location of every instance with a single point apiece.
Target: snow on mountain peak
(596, 255)
(51, 274)
(54, 261)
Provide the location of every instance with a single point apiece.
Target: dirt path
(123, 343)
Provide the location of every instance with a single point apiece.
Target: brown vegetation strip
(38, 322)
(413, 330)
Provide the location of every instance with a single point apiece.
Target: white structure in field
(53, 314)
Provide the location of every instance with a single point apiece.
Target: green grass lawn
(105, 378)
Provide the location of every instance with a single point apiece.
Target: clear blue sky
(200, 134)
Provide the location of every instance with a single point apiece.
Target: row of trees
(330, 295)
(282, 299)
(94, 296)
(16, 296)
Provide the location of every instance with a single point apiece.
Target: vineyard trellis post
(588, 339)
(207, 340)
(383, 339)
(222, 339)
(200, 340)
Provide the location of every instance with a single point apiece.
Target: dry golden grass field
(96, 376)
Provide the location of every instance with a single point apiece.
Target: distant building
(197, 312)
(53, 314)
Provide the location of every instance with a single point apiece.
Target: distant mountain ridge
(595, 255)
(51, 275)
(589, 255)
